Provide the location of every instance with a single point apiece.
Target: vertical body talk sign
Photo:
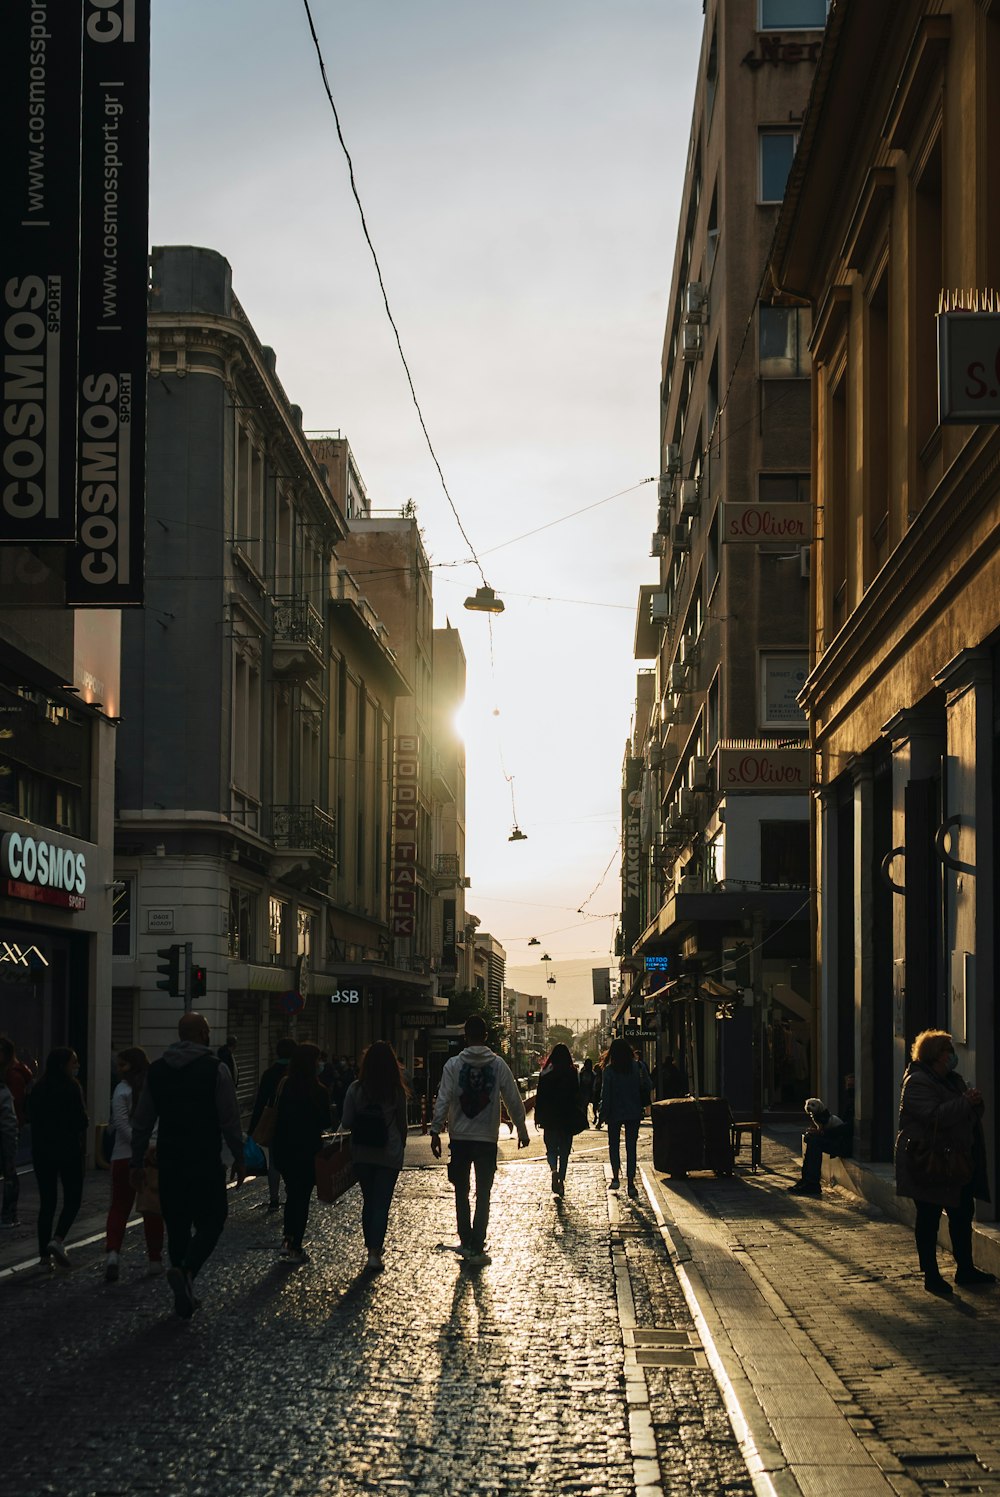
(105, 568)
(40, 93)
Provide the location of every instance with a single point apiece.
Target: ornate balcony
(297, 650)
(304, 832)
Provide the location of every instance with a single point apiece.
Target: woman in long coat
(940, 1115)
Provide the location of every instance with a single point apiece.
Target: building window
(122, 911)
(304, 944)
(783, 342)
(276, 930)
(776, 152)
(782, 677)
(246, 717)
(783, 488)
(792, 15)
(243, 905)
(713, 719)
(45, 761)
(784, 854)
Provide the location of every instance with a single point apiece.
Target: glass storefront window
(243, 904)
(45, 759)
(276, 923)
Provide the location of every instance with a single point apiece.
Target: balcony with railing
(304, 831)
(297, 649)
(447, 870)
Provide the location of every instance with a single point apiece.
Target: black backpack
(369, 1129)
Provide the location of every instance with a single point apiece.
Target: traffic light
(170, 966)
(199, 982)
(529, 1017)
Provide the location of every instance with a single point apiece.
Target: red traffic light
(199, 982)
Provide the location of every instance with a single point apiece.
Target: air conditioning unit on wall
(695, 301)
(691, 341)
(690, 497)
(700, 778)
(680, 537)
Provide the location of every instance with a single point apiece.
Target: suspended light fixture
(544, 957)
(484, 600)
(550, 981)
(534, 941)
(517, 835)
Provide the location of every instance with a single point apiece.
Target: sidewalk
(843, 1376)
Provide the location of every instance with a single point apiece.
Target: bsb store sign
(43, 871)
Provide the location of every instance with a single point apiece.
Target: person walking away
(303, 1113)
(267, 1092)
(227, 1054)
(829, 1134)
(468, 1105)
(192, 1094)
(623, 1088)
(8, 1157)
(375, 1115)
(133, 1064)
(58, 1117)
(940, 1157)
(596, 1097)
(587, 1086)
(560, 1112)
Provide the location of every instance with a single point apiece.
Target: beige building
(893, 199)
(716, 773)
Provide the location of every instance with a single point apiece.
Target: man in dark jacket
(193, 1096)
(267, 1093)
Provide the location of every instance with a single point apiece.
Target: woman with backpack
(625, 1094)
(560, 1112)
(58, 1117)
(375, 1115)
(303, 1112)
(133, 1066)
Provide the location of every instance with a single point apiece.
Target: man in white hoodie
(468, 1105)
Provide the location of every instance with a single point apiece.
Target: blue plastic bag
(253, 1158)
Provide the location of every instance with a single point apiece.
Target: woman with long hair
(303, 1112)
(133, 1065)
(624, 1094)
(58, 1117)
(941, 1157)
(375, 1115)
(560, 1112)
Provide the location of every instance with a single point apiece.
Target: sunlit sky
(520, 167)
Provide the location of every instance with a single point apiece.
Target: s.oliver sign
(757, 524)
(43, 871)
(763, 769)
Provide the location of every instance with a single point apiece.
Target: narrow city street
(433, 1378)
(715, 1336)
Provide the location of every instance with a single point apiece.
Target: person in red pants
(132, 1068)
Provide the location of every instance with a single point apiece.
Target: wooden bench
(752, 1130)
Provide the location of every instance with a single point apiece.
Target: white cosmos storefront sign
(43, 871)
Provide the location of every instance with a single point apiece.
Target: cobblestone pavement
(432, 1378)
(922, 1374)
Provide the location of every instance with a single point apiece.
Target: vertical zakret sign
(105, 568)
(40, 61)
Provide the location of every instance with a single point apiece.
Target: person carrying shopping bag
(560, 1112)
(374, 1114)
(133, 1066)
(303, 1105)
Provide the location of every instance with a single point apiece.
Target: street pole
(756, 977)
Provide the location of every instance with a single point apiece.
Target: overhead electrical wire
(385, 296)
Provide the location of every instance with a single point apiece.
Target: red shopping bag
(334, 1170)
